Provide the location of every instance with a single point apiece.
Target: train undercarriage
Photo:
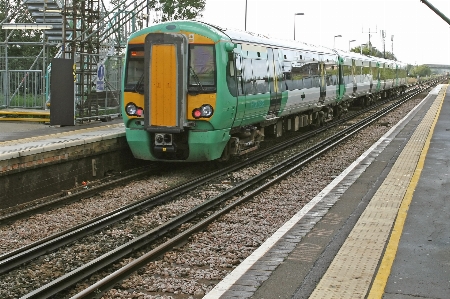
(247, 139)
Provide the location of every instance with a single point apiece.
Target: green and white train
(197, 92)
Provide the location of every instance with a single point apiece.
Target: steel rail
(57, 202)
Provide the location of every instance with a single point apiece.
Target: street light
(297, 14)
(350, 41)
(245, 25)
(334, 41)
(392, 42)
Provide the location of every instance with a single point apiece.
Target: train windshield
(134, 77)
(202, 68)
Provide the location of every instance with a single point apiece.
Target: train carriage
(197, 92)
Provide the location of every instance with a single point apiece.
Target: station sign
(100, 77)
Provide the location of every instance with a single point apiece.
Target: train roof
(240, 36)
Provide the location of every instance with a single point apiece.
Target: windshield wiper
(196, 78)
(139, 87)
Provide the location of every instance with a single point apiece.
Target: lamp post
(245, 24)
(297, 14)
(334, 41)
(392, 43)
(349, 42)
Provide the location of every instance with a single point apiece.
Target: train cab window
(202, 68)
(134, 74)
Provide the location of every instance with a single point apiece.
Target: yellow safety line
(25, 113)
(25, 119)
(384, 271)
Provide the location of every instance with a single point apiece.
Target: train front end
(170, 94)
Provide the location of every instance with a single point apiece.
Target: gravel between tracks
(193, 269)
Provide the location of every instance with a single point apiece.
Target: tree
(181, 9)
(374, 52)
(420, 70)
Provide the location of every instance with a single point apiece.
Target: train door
(275, 82)
(342, 85)
(354, 74)
(323, 82)
(240, 93)
(165, 77)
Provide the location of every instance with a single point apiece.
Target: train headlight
(133, 110)
(205, 111)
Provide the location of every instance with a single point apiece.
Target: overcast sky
(420, 35)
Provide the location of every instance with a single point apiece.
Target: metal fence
(106, 101)
(22, 89)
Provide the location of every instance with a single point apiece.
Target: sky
(420, 35)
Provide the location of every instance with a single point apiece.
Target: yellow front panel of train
(163, 82)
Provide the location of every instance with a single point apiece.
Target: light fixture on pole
(349, 42)
(334, 41)
(297, 14)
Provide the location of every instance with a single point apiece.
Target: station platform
(381, 229)
(24, 139)
(38, 160)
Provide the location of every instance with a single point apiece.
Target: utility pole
(392, 44)
(370, 44)
(383, 36)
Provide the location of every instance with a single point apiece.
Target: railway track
(10, 215)
(256, 184)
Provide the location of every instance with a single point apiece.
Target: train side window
(247, 76)
(375, 73)
(276, 76)
(260, 75)
(332, 74)
(287, 62)
(347, 73)
(382, 72)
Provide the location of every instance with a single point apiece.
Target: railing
(22, 89)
